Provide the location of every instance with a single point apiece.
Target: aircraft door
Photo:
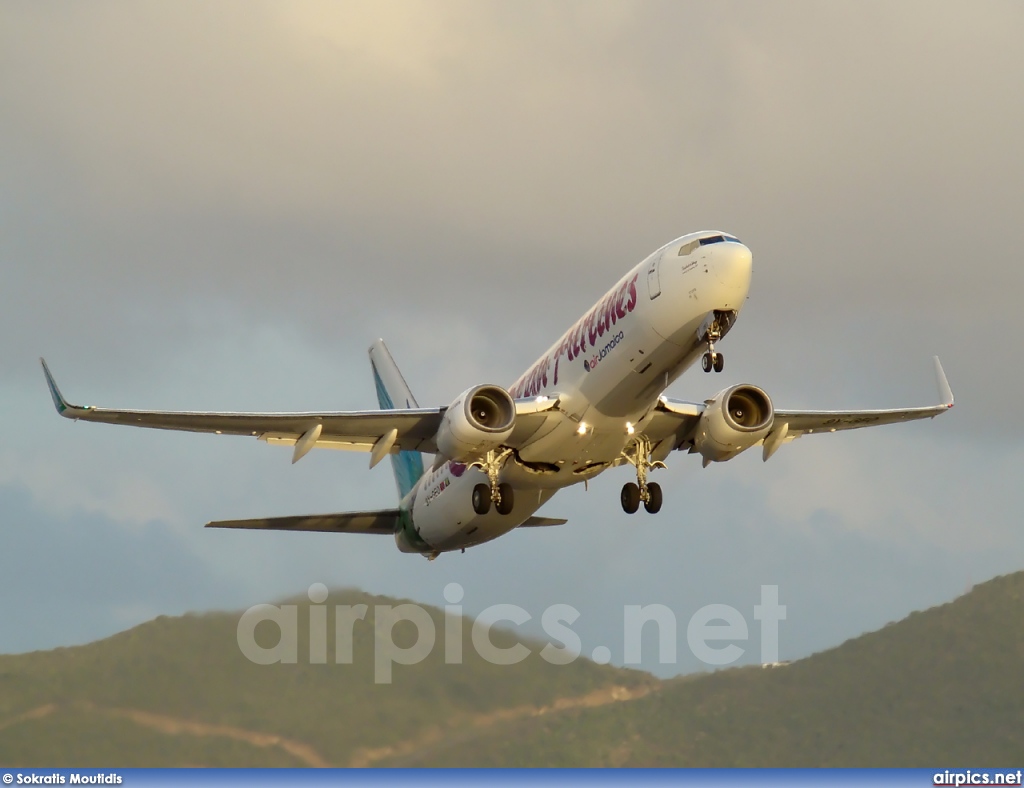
(654, 277)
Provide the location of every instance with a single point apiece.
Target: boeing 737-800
(593, 401)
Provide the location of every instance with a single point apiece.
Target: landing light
(629, 428)
(582, 428)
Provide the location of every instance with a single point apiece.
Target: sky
(220, 205)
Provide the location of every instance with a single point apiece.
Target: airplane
(593, 401)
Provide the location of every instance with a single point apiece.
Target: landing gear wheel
(481, 499)
(507, 499)
(491, 465)
(706, 362)
(653, 502)
(630, 498)
(638, 454)
(719, 362)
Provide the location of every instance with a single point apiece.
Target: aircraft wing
(675, 422)
(791, 424)
(377, 431)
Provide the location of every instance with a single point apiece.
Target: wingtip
(59, 402)
(945, 392)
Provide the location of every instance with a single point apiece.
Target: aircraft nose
(733, 264)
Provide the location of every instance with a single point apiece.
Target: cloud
(219, 207)
(72, 579)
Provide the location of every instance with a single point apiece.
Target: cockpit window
(685, 249)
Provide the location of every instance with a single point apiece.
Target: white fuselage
(607, 372)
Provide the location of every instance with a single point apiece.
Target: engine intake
(734, 420)
(479, 420)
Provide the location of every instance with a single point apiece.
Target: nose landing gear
(638, 454)
(712, 360)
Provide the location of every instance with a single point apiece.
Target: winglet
(59, 402)
(945, 392)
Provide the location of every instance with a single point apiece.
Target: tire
(705, 362)
(630, 498)
(719, 362)
(653, 505)
(508, 499)
(482, 499)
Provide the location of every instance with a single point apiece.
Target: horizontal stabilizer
(381, 521)
(533, 522)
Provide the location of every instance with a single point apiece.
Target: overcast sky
(220, 205)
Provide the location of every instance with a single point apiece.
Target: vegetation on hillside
(87, 705)
(940, 687)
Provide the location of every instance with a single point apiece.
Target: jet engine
(734, 420)
(481, 419)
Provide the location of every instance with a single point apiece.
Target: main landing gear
(484, 493)
(638, 454)
(501, 495)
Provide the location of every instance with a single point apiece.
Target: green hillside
(943, 686)
(179, 691)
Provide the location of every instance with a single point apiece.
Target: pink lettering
(580, 340)
(592, 328)
(620, 303)
(608, 311)
(631, 303)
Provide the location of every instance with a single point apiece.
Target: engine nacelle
(734, 420)
(480, 419)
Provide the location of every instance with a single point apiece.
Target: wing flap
(381, 521)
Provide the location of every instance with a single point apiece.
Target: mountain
(178, 691)
(940, 687)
